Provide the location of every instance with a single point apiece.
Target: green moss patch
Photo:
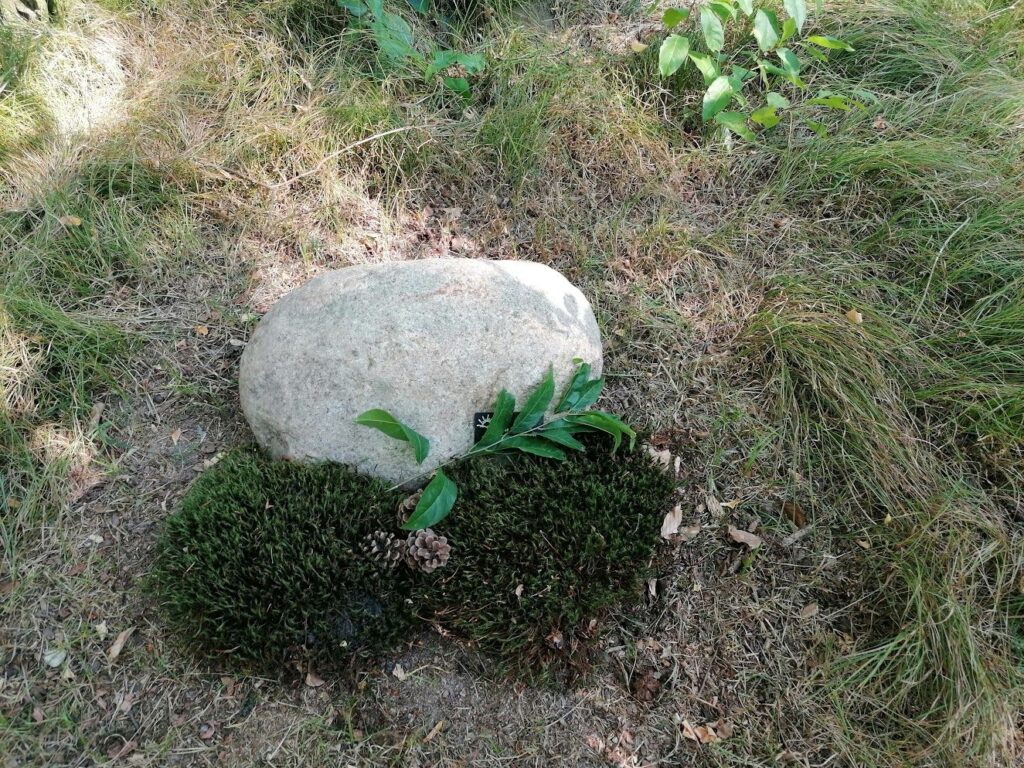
(541, 549)
(262, 560)
(266, 560)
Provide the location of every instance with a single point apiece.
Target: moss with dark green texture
(264, 557)
(578, 536)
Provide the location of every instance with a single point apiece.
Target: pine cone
(426, 551)
(381, 547)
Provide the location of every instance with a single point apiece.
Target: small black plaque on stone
(480, 421)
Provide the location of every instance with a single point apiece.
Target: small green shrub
(262, 557)
(265, 558)
(541, 548)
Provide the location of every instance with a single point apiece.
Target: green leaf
(534, 445)
(797, 10)
(711, 26)
(832, 102)
(707, 66)
(789, 61)
(717, 97)
(741, 74)
(766, 29)
(736, 123)
(536, 405)
(562, 437)
(381, 420)
(766, 116)
(420, 6)
(434, 505)
(674, 16)
(504, 407)
(777, 100)
(356, 7)
(788, 29)
(458, 84)
(747, 6)
(767, 66)
(605, 422)
(832, 43)
(581, 392)
(672, 54)
(723, 11)
(818, 128)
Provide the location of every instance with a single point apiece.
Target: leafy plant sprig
(725, 80)
(508, 432)
(394, 39)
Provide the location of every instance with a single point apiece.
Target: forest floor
(826, 333)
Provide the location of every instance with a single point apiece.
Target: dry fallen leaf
(118, 646)
(652, 587)
(206, 731)
(637, 46)
(399, 672)
(101, 630)
(714, 506)
(863, 543)
(556, 639)
(809, 611)
(70, 221)
(855, 317)
(434, 731)
(743, 537)
(595, 742)
(313, 680)
(689, 532)
(38, 715)
(175, 436)
(794, 513)
(54, 657)
(670, 525)
(664, 456)
(731, 504)
(723, 728)
(202, 330)
(519, 590)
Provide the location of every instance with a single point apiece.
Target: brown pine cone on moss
(426, 551)
(382, 547)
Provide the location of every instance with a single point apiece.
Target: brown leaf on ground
(434, 731)
(855, 317)
(689, 532)
(731, 504)
(743, 537)
(664, 456)
(115, 649)
(121, 749)
(670, 525)
(556, 639)
(794, 513)
(70, 221)
(175, 436)
(202, 330)
(206, 731)
(313, 680)
(38, 715)
(809, 611)
(646, 687)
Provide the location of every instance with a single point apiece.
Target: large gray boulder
(431, 341)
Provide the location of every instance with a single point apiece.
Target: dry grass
(223, 173)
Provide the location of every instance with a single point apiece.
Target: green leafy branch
(509, 432)
(394, 39)
(725, 80)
